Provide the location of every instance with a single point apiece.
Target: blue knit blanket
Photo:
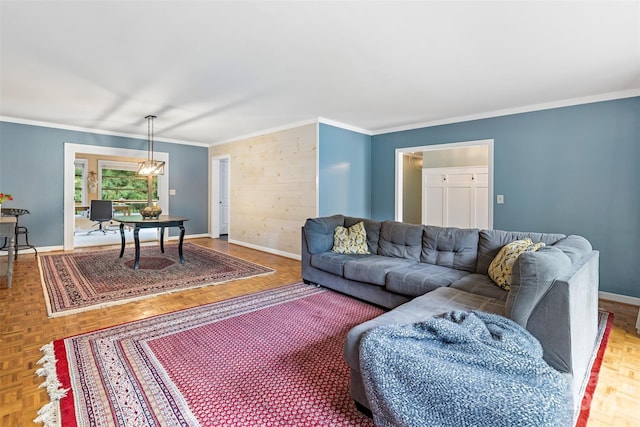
(465, 368)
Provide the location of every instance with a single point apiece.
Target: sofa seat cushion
(332, 262)
(418, 279)
(481, 285)
(373, 268)
(441, 300)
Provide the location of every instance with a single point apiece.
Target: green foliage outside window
(126, 186)
(77, 195)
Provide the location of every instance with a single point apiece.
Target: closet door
(433, 199)
(456, 197)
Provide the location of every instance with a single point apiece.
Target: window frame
(119, 165)
(83, 164)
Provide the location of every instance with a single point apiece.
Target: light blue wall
(573, 170)
(32, 169)
(344, 172)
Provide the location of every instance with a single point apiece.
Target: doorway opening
(439, 173)
(71, 177)
(220, 197)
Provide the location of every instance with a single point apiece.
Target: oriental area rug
(84, 281)
(265, 359)
(270, 358)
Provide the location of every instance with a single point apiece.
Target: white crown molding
(344, 126)
(486, 115)
(518, 110)
(96, 131)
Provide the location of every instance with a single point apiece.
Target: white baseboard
(619, 298)
(265, 249)
(44, 249)
(190, 236)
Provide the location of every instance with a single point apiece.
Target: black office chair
(101, 211)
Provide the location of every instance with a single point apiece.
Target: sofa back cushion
(575, 247)
(319, 232)
(450, 247)
(400, 240)
(373, 231)
(491, 241)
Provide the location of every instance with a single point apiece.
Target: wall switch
(172, 191)
(500, 199)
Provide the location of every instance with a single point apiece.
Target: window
(80, 189)
(119, 182)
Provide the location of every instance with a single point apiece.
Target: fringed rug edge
(49, 414)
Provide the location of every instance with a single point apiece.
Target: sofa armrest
(533, 274)
(305, 255)
(565, 320)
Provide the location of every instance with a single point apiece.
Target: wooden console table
(8, 231)
(137, 222)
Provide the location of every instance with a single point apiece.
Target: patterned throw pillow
(352, 240)
(502, 265)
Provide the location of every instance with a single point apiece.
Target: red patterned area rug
(268, 359)
(589, 388)
(84, 281)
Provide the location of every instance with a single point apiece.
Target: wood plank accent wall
(272, 187)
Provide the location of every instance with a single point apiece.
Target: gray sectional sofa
(420, 271)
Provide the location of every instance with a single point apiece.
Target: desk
(122, 208)
(79, 209)
(137, 223)
(7, 230)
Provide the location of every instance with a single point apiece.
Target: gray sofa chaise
(420, 271)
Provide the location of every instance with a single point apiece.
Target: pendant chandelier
(150, 167)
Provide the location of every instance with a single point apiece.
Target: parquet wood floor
(24, 328)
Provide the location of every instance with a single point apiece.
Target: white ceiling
(217, 70)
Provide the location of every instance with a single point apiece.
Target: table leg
(136, 239)
(180, 243)
(122, 239)
(162, 239)
(9, 264)
(15, 243)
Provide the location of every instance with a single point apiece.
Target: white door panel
(456, 197)
(458, 207)
(433, 207)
